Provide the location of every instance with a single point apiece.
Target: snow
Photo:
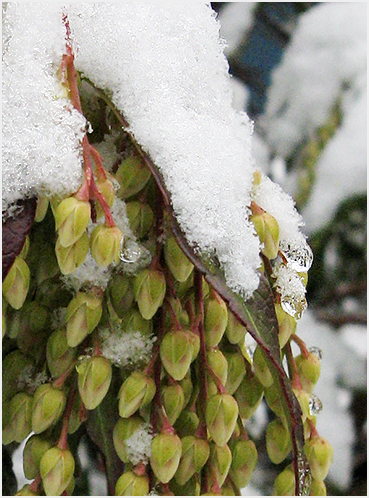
(127, 349)
(236, 19)
(138, 446)
(202, 146)
(41, 134)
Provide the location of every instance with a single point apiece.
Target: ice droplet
(299, 257)
(317, 351)
(315, 405)
(134, 256)
(294, 305)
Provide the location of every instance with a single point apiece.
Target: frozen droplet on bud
(130, 252)
(315, 405)
(89, 127)
(317, 351)
(299, 256)
(115, 183)
(294, 305)
(134, 256)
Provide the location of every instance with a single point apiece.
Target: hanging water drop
(130, 253)
(315, 405)
(299, 257)
(317, 351)
(294, 305)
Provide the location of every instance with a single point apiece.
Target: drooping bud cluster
(155, 346)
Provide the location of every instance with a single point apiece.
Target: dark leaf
(15, 230)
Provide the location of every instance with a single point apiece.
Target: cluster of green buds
(176, 418)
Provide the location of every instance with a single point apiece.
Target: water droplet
(317, 351)
(134, 256)
(299, 257)
(315, 405)
(89, 127)
(294, 305)
(130, 253)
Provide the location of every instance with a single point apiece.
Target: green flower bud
(249, 395)
(25, 248)
(69, 258)
(278, 441)
(56, 469)
(137, 391)
(187, 387)
(94, 377)
(319, 453)
(59, 355)
(41, 208)
(318, 488)
(227, 489)
(121, 294)
(180, 314)
(216, 318)
(173, 401)
(267, 228)
(303, 398)
(235, 331)
(15, 365)
(177, 262)
(16, 283)
(236, 371)
(33, 451)
(106, 188)
(244, 460)
(284, 485)
(149, 288)
(26, 491)
(17, 418)
(221, 417)
(71, 219)
(132, 175)
(130, 484)
(47, 407)
(83, 314)
(286, 325)
(195, 453)
(140, 218)
(176, 353)
(220, 459)
(132, 320)
(261, 368)
(191, 488)
(78, 415)
(105, 244)
(308, 370)
(217, 361)
(273, 399)
(187, 423)
(166, 452)
(123, 430)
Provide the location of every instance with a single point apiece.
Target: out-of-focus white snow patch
(41, 132)
(335, 422)
(236, 19)
(326, 57)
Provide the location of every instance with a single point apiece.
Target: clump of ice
(41, 132)
(138, 446)
(167, 73)
(126, 348)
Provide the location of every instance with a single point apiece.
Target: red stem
(202, 362)
(303, 348)
(63, 440)
(292, 368)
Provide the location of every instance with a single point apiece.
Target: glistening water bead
(294, 305)
(317, 351)
(299, 257)
(315, 405)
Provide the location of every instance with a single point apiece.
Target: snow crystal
(173, 87)
(138, 446)
(88, 274)
(126, 348)
(41, 133)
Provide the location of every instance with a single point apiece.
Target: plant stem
(63, 440)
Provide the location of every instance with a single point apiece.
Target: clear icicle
(317, 351)
(304, 474)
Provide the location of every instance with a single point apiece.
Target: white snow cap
(164, 67)
(41, 133)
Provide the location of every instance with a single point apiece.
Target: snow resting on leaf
(165, 70)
